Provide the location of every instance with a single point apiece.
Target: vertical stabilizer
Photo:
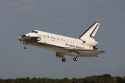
(91, 31)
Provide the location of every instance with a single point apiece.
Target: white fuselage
(60, 41)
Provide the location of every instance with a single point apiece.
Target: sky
(63, 17)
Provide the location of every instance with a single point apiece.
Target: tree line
(106, 78)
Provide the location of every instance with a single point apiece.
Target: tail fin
(91, 31)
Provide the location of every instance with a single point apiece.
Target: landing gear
(63, 59)
(24, 47)
(75, 58)
(61, 56)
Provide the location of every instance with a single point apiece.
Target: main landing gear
(75, 58)
(63, 59)
(24, 47)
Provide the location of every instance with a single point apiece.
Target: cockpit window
(34, 31)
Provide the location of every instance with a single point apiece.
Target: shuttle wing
(79, 52)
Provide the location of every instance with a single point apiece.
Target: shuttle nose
(27, 38)
(22, 37)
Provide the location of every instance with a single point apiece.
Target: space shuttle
(83, 46)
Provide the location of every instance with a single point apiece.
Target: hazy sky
(63, 17)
